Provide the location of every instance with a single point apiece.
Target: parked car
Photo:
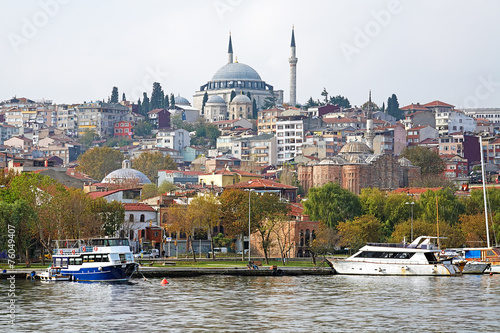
(154, 253)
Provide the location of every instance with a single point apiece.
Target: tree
(157, 97)
(325, 242)
(109, 216)
(374, 106)
(123, 97)
(324, 93)
(359, 231)
(311, 103)
(331, 204)
(143, 128)
(255, 109)
(393, 107)
(450, 208)
(150, 162)
(233, 95)
(139, 106)
(205, 99)
(97, 162)
(87, 138)
(118, 142)
(474, 229)
(340, 101)
(267, 211)
(180, 219)
(146, 107)
(383, 107)
(205, 212)
(428, 160)
(172, 100)
(114, 95)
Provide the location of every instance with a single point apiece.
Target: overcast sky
(71, 51)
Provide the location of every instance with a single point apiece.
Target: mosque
(242, 79)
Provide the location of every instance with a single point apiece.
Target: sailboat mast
(437, 221)
(484, 191)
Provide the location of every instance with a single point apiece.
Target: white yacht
(416, 258)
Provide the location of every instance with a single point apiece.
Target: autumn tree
(205, 213)
(150, 162)
(98, 162)
(331, 204)
(474, 229)
(325, 242)
(181, 219)
(359, 231)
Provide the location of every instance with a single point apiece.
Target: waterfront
(280, 304)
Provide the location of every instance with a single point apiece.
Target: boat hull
(110, 273)
(475, 268)
(380, 268)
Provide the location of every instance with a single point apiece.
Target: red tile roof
(437, 103)
(415, 190)
(95, 195)
(138, 207)
(265, 184)
(414, 107)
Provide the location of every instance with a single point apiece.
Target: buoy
(491, 273)
(164, 281)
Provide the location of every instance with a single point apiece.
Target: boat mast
(484, 191)
(437, 221)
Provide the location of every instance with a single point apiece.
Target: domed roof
(355, 148)
(215, 99)
(126, 174)
(403, 161)
(179, 100)
(334, 160)
(356, 158)
(236, 71)
(241, 99)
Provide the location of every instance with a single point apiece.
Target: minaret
(370, 135)
(230, 50)
(293, 71)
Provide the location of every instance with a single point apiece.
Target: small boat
(486, 256)
(98, 259)
(53, 274)
(417, 258)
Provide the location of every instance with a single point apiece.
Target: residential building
(463, 145)
(456, 167)
(100, 117)
(173, 139)
(267, 119)
(224, 177)
(6, 132)
(20, 142)
(258, 148)
(415, 135)
(290, 134)
(222, 162)
(160, 118)
(178, 176)
(123, 129)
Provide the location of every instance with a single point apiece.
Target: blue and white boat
(98, 259)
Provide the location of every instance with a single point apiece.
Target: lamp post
(411, 216)
(249, 227)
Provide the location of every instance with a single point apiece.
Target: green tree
(205, 99)
(97, 162)
(139, 106)
(150, 162)
(146, 106)
(428, 160)
(110, 216)
(311, 103)
(87, 138)
(255, 109)
(123, 97)
(118, 142)
(205, 212)
(393, 107)
(383, 107)
(157, 97)
(340, 100)
(17, 222)
(143, 128)
(324, 93)
(374, 106)
(172, 100)
(233, 95)
(450, 208)
(114, 95)
(331, 204)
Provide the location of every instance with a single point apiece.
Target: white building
(289, 134)
(173, 139)
(261, 148)
(451, 121)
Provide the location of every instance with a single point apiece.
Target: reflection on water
(283, 304)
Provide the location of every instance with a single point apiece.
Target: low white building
(173, 139)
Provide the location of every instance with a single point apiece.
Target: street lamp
(411, 203)
(249, 227)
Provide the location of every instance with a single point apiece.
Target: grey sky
(419, 50)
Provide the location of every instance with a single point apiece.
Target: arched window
(142, 218)
(131, 236)
(182, 235)
(301, 237)
(313, 235)
(131, 218)
(308, 237)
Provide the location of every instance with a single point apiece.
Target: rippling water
(278, 304)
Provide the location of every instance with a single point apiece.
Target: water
(264, 304)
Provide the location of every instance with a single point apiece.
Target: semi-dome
(403, 161)
(355, 148)
(334, 160)
(241, 99)
(125, 175)
(179, 100)
(215, 99)
(236, 71)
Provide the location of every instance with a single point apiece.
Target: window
(142, 218)
(131, 218)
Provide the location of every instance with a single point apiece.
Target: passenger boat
(486, 256)
(99, 259)
(53, 274)
(416, 258)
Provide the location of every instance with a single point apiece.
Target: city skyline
(70, 51)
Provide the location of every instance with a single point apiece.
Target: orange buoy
(164, 281)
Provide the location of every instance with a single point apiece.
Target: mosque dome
(126, 174)
(236, 71)
(215, 99)
(179, 100)
(241, 99)
(355, 148)
(334, 160)
(403, 161)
